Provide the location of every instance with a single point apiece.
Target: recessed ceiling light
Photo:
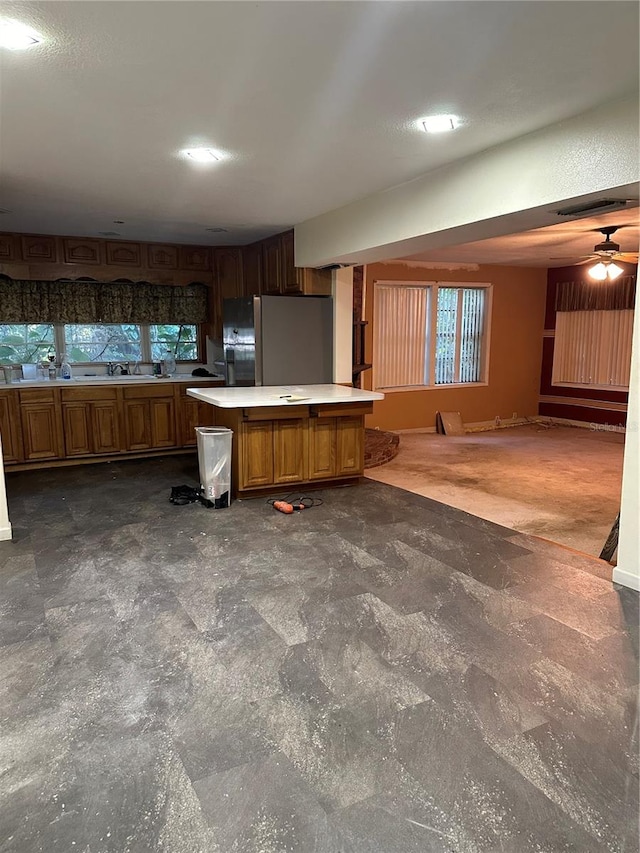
(202, 155)
(216, 230)
(17, 36)
(438, 124)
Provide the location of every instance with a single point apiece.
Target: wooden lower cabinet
(288, 451)
(163, 422)
(105, 425)
(41, 431)
(193, 414)
(255, 454)
(149, 418)
(76, 424)
(292, 451)
(10, 427)
(80, 421)
(349, 446)
(322, 448)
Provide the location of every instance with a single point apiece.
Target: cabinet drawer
(38, 395)
(82, 395)
(341, 410)
(144, 392)
(275, 413)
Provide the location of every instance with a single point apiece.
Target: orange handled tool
(287, 508)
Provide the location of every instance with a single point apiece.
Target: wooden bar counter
(290, 437)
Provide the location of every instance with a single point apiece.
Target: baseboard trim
(625, 578)
(5, 533)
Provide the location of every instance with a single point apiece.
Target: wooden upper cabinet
(289, 278)
(124, 254)
(39, 249)
(197, 258)
(252, 269)
(8, 248)
(228, 272)
(272, 266)
(160, 257)
(80, 251)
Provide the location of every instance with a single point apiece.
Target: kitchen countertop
(276, 395)
(182, 379)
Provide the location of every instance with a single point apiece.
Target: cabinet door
(137, 424)
(163, 422)
(105, 427)
(288, 451)
(41, 431)
(350, 446)
(76, 420)
(291, 282)
(193, 414)
(10, 427)
(322, 448)
(271, 284)
(256, 462)
(252, 269)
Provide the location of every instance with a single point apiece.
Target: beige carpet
(561, 483)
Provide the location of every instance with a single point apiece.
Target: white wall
(5, 524)
(342, 292)
(507, 189)
(627, 571)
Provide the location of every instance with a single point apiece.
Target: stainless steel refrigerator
(278, 340)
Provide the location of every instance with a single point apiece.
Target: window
(593, 348)
(101, 342)
(428, 335)
(182, 340)
(96, 343)
(26, 343)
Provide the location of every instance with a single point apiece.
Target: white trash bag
(214, 461)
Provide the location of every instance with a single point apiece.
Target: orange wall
(517, 324)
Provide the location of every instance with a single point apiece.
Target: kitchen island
(287, 438)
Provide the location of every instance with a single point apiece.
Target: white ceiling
(315, 103)
(554, 246)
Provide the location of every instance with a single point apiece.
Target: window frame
(145, 342)
(431, 288)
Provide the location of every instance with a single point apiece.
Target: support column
(627, 572)
(5, 524)
(342, 292)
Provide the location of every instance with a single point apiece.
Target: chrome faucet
(118, 369)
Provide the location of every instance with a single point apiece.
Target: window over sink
(97, 343)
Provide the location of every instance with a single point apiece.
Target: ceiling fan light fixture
(598, 272)
(603, 271)
(613, 271)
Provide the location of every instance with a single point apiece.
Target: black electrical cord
(303, 501)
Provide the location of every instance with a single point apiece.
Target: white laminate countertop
(182, 379)
(279, 395)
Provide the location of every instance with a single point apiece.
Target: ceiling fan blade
(575, 258)
(631, 256)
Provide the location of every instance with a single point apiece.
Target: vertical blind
(400, 335)
(459, 334)
(593, 348)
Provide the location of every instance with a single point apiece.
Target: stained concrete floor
(561, 483)
(379, 674)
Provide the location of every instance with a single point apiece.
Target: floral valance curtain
(616, 295)
(97, 302)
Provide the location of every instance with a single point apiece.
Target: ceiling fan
(605, 252)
